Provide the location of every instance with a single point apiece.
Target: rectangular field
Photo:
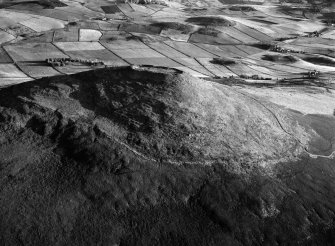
(194, 65)
(154, 61)
(241, 69)
(39, 37)
(10, 71)
(207, 39)
(110, 36)
(33, 51)
(104, 55)
(125, 7)
(111, 9)
(238, 35)
(107, 26)
(9, 18)
(124, 44)
(190, 49)
(166, 50)
(60, 14)
(76, 46)
(138, 28)
(89, 35)
(175, 35)
(250, 50)
(41, 23)
(137, 53)
(223, 50)
(71, 35)
(218, 70)
(253, 33)
(12, 81)
(37, 70)
(266, 71)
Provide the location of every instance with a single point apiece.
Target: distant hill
(44, 3)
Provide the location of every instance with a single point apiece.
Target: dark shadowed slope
(148, 156)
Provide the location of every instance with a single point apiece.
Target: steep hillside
(149, 156)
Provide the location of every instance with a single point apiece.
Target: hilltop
(153, 156)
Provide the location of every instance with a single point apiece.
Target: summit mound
(163, 115)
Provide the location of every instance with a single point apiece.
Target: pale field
(5, 37)
(73, 46)
(12, 81)
(8, 18)
(329, 35)
(41, 23)
(253, 24)
(313, 101)
(10, 71)
(88, 35)
(311, 66)
(37, 70)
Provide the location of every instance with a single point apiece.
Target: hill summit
(165, 115)
(153, 156)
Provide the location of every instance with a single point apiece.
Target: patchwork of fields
(167, 35)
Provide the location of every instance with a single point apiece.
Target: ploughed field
(167, 123)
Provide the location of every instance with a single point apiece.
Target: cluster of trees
(278, 49)
(59, 62)
(255, 77)
(143, 1)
